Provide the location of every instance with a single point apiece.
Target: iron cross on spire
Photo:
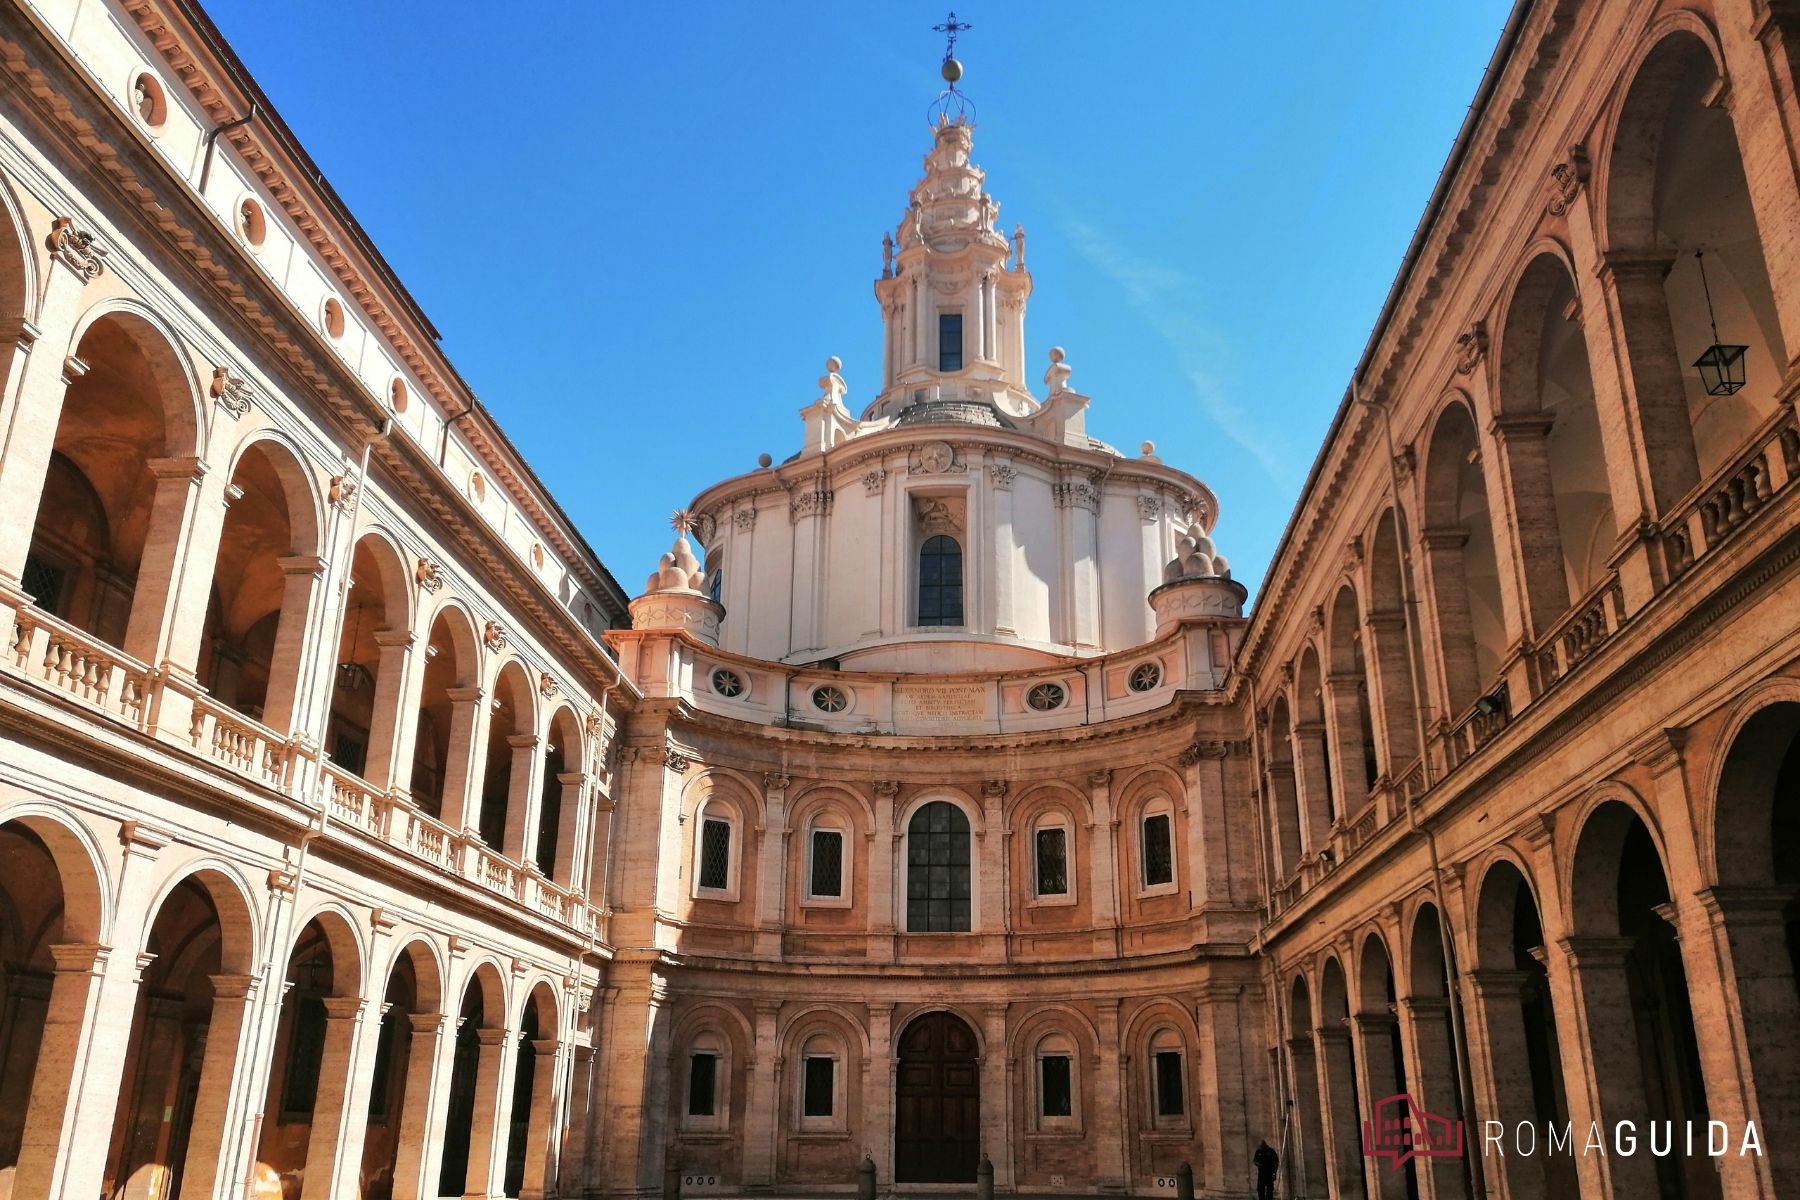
(950, 28)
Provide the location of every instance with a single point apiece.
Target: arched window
(937, 870)
(1057, 1092)
(708, 1101)
(1156, 849)
(822, 1084)
(827, 879)
(715, 852)
(1168, 1079)
(1052, 860)
(941, 581)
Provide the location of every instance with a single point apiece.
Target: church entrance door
(937, 1117)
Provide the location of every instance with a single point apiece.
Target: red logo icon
(1402, 1130)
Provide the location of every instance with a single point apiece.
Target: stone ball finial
(1196, 558)
(1056, 354)
(763, 460)
(1147, 449)
(834, 363)
(1057, 377)
(952, 71)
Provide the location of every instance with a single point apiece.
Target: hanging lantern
(352, 675)
(1721, 367)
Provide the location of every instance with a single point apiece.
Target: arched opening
(937, 1117)
(530, 1140)
(940, 581)
(1435, 1079)
(406, 1046)
(1756, 839)
(1676, 184)
(473, 1105)
(1306, 1171)
(506, 777)
(1381, 1055)
(1313, 760)
(444, 732)
(1389, 657)
(371, 658)
(1284, 799)
(263, 584)
(1459, 554)
(1339, 1076)
(1549, 431)
(939, 889)
(110, 515)
(1347, 704)
(309, 1077)
(169, 1122)
(49, 899)
(1518, 1023)
(1644, 1050)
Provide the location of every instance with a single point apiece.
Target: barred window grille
(1055, 1093)
(1171, 1098)
(1053, 862)
(821, 1079)
(827, 863)
(937, 870)
(1159, 859)
(43, 583)
(715, 855)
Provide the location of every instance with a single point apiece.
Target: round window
(830, 699)
(1145, 677)
(727, 683)
(1046, 696)
(252, 227)
(147, 100)
(334, 318)
(397, 395)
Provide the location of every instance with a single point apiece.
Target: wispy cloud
(1165, 298)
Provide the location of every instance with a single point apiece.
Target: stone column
(1654, 394)
(519, 838)
(175, 572)
(541, 1131)
(1222, 1107)
(1209, 869)
(885, 911)
(573, 816)
(1500, 1066)
(1343, 715)
(1449, 604)
(419, 1148)
(208, 1169)
(1103, 863)
(878, 1093)
(994, 878)
(1342, 1129)
(1305, 1168)
(763, 1071)
(334, 1147)
(89, 1004)
(465, 759)
(40, 369)
(1431, 1081)
(1006, 549)
(385, 767)
(1109, 1099)
(1390, 690)
(1524, 470)
(772, 860)
(1373, 1033)
(1759, 52)
(1285, 819)
(302, 575)
(488, 1126)
(996, 1098)
(1316, 806)
(1600, 1060)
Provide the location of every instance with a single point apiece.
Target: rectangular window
(950, 344)
(715, 855)
(1053, 862)
(827, 863)
(1170, 1099)
(1159, 859)
(821, 1077)
(306, 1053)
(703, 1074)
(1055, 1092)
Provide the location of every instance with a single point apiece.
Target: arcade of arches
(360, 838)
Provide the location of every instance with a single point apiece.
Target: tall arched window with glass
(937, 870)
(941, 581)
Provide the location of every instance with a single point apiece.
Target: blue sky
(642, 228)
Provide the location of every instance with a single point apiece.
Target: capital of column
(394, 639)
(187, 468)
(464, 695)
(1372, 1022)
(1741, 907)
(1425, 1008)
(1621, 266)
(545, 1047)
(74, 957)
(233, 987)
(522, 741)
(426, 1023)
(1300, 1043)
(1520, 424)
(1328, 1035)
(344, 1008)
(492, 1037)
(571, 778)
(1588, 951)
(302, 564)
(1498, 983)
(1443, 537)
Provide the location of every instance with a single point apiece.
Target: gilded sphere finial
(952, 71)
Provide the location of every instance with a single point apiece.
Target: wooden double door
(937, 1111)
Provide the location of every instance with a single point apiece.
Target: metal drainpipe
(212, 141)
(1465, 1091)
